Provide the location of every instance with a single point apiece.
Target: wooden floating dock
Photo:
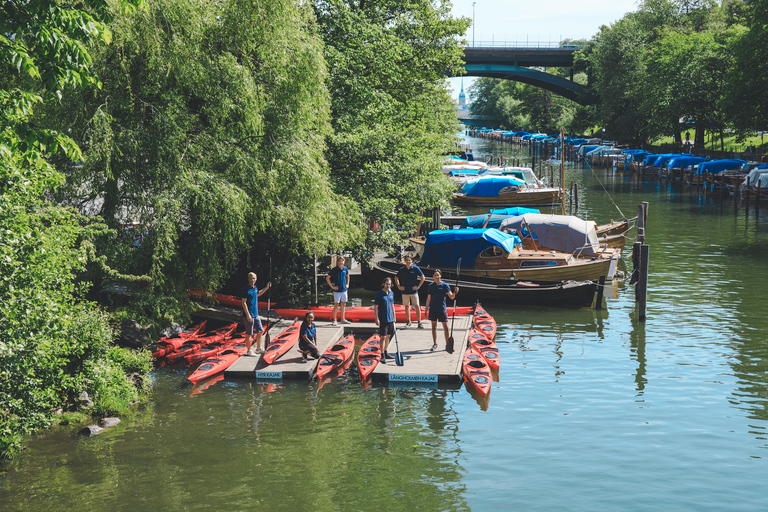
(421, 366)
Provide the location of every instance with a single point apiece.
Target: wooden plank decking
(420, 364)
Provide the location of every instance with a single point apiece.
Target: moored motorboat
(368, 356)
(476, 371)
(505, 192)
(282, 343)
(336, 355)
(565, 294)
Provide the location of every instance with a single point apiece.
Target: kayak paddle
(398, 355)
(449, 343)
(269, 301)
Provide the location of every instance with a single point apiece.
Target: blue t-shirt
(439, 295)
(386, 304)
(310, 331)
(251, 296)
(409, 278)
(339, 277)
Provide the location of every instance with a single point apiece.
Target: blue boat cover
(463, 173)
(443, 248)
(681, 162)
(489, 187)
(718, 166)
(478, 221)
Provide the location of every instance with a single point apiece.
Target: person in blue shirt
(384, 315)
(408, 280)
(250, 296)
(338, 280)
(308, 337)
(437, 307)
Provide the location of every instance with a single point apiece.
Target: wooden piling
(576, 195)
(599, 298)
(642, 283)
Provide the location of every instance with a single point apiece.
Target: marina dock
(421, 366)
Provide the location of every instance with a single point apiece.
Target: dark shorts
(254, 324)
(387, 329)
(438, 315)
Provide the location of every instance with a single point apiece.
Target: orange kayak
(217, 363)
(336, 355)
(194, 344)
(227, 300)
(282, 343)
(369, 356)
(214, 348)
(476, 371)
(358, 314)
(485, 347)
(484, 322)
(168, 344)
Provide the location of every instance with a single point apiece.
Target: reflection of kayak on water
(359, 314)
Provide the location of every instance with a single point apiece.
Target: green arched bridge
(516, 64)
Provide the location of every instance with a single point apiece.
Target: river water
(594, 410)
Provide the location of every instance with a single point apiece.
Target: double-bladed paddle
(449, 343)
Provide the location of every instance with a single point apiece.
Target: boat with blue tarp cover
(505, 191)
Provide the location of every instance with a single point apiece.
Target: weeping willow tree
(205, 142)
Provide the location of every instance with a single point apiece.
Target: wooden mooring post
(640, 255)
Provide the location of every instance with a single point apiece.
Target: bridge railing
(523, 43)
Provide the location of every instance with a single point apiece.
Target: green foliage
(391, 112)
(47, 335)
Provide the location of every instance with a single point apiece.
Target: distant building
(463, 109)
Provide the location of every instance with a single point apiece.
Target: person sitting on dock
(338, 280)
(250, 296)
(408, 280)
(384, 315)
(307, 337)
(437, 307)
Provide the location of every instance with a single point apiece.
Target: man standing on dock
(384, 315)
(437, 307)
(408, 280)
(250, 296)
(338, 280)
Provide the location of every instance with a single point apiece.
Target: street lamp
(473, 23)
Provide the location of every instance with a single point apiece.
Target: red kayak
(484, 322)
(168, 344)
(227, 300)
(369, 356)
(477, 373)
(282, 343)
(341, 371)
(485, 347)
(358, 314)
(194, 344)
(214, 348)
(217, 363)
(336, 355)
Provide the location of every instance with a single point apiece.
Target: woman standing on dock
(437, 307)
(384, 315)
(250, 296)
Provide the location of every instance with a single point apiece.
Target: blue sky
(544, 20)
